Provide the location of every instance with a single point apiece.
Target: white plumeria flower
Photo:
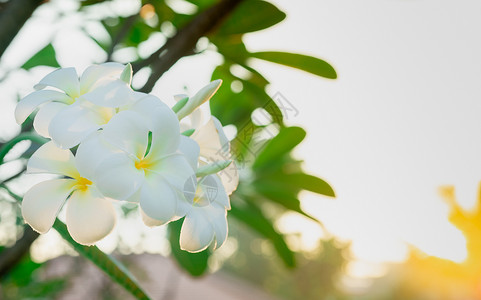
(214, 146)
(206, 221)
(82, 105)
(209, 133)
(153, 177)
(90, 216)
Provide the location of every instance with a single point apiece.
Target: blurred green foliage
(264, 151)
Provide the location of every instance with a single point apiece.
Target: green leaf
(251, 15)
(194, 263)
(282, 195)
(44, 57)
(255, 219)
(306, 182)
(306, 63)
(105, 262)
(280, 145)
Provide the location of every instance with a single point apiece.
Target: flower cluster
(128, 146)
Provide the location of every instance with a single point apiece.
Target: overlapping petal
(90, 216)
(175, 169)
(51, 159)
(128, 132)
(33, 100)
(65, 79)
(196, 233)
(75, 123)
(91, 153)
(191, 150)
(158, 199)
(45, 115)
(114, 93)
(97, 74)
(42, 203)
(117, 177)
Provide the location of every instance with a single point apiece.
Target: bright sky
(402, 119)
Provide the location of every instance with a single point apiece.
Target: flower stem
(21, 137)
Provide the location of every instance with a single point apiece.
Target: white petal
(30, 102)
(95, 73)
(90, 153)
(158, 199)
(128, 131)
(166, 132)
(208, 139)
(146, 106)
(224, 141)
(112, 94)
(148, 220)
(190, 149)
(65, 79)
(73, 124)
(42, 203)
(90, 216)
(175, 169)
(196, 233)
(116, 177)
(163, 123)
(219, 196)
(45, 115)
(51, 159)
(230, 178)
(218, 217)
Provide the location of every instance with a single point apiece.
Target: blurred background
(394, 131)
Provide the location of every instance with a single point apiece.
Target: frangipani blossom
(206, 221)
(153, 176)
(90, 216)
(214, 146)
(208, 133)
(85, 103)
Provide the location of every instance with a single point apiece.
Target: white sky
(402, 119)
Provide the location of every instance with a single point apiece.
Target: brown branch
(10, 257)
(185, 40)
(122, 33)
(12, 17)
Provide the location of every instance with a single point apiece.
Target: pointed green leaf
(306, 63)
(282, 195)
(251, 15)
(194, 263)
(280, 145)
(44, 57)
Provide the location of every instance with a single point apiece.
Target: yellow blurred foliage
(430, 277)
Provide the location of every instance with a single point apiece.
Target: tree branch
(12, 17)
(184, 41)
(128, 23)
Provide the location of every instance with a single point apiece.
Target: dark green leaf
(105, 262)
(280, 145)
(306, 182)
(306, 63)
(282, 195)
(255, 219)
(251, 15)
(194, 263)
(44, 57)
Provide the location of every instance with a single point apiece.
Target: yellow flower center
(143, 164)
(82, 184)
